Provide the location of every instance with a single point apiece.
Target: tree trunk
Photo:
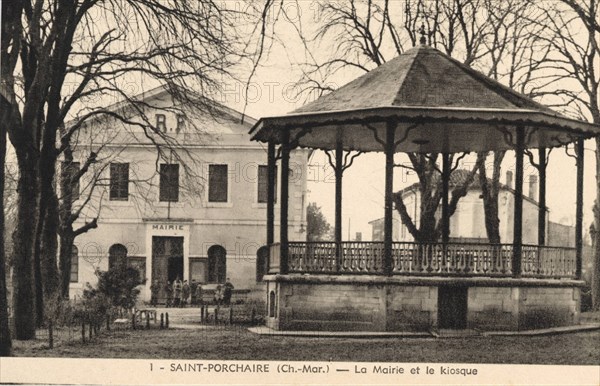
(24, 241)
(5, 340)
(67, 239)
(49, 247)
(37, 268)
(596, 265)
(489, 191)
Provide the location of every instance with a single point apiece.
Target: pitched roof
(436, 104)
(425, 77)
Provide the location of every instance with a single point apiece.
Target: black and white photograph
(300, 192)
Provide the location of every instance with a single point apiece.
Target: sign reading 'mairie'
(167, 227)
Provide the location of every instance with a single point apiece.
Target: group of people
(180, 294)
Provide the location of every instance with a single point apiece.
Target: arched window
(217, 265)
(117, 254)
(262, 262)
(74, 265)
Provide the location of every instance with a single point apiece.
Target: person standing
(218, 295)
(185, 293)
(227, 292)
(199, 294)
(169, 291)
(193, 287)
(154, 289)
(177, 292)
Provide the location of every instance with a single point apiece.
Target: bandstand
(423, 101)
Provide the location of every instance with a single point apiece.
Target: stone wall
(412, 308)
(360, 303)
(493, 308)
(548, 307)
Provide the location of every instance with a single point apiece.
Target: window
(217, 183)
(198, 270)
(74, 265)
(119, 181)
(69, 173)
(117, 255)
(217, 267)
(161, 124)
(180, 122)
(263, 183)
(169, 182)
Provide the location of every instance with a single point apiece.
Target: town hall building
(190, 205)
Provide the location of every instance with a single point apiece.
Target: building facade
(192, 207)
(467, 224)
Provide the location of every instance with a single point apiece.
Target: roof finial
(423, 39)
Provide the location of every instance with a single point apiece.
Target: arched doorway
(217, 264)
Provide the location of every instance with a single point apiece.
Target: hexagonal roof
(436, 104)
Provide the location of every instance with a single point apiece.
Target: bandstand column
(542, 197)
(389, 191)
(271, 172)
(338, 199)
(518, 213)
(284, 196)
(445, 189)
(579, 211)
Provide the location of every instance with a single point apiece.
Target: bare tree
(62, 56)
(5, 339)
(572, 29)
(491, 36)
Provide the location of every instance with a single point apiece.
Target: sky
(272, 92)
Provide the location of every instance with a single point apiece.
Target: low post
(147, 320)
(162, 320)
(133, 321)
(202, 314)
(83, 331)
(216, 314)
(91, 330)
(167, 320)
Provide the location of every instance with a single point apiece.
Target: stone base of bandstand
(304, 302)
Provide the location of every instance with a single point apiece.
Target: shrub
(118, 285)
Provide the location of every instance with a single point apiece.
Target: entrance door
(175, 268)
(167, 262)
(452, 307)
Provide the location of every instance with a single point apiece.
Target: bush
(118, 285)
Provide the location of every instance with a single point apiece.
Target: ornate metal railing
(459, 259)
(539, 261)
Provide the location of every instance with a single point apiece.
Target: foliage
(318, 229)
(118, 286)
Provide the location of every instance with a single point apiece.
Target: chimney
(509, 181)
(533, 187)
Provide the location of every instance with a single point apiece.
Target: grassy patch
(236, 343)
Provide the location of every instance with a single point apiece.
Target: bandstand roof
(438, 103)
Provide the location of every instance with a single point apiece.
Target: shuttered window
(169, 182)
(119, 181)
(217, 183)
